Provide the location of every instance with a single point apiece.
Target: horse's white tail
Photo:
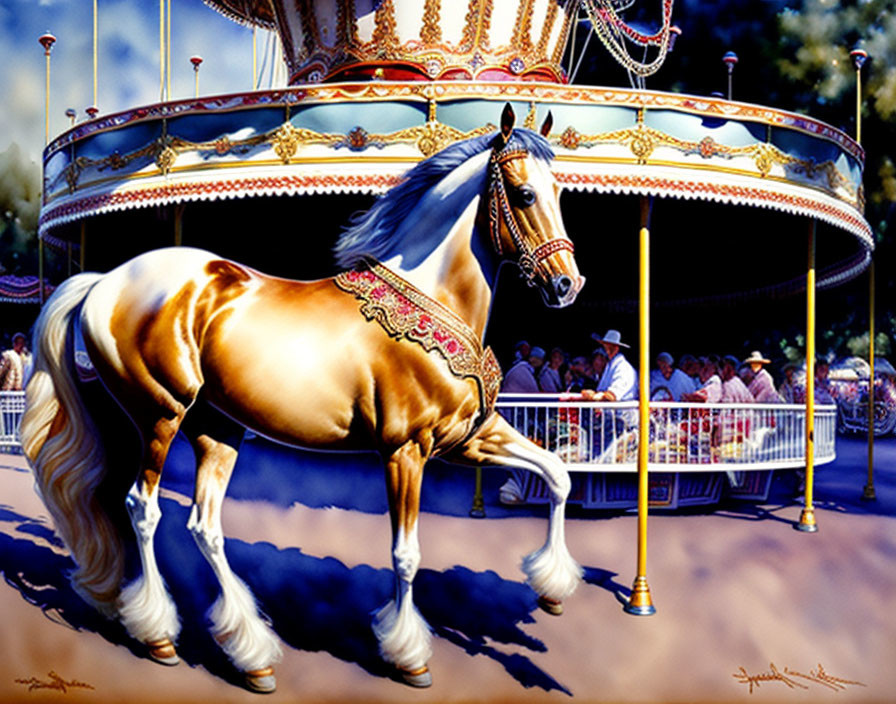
(61, 444)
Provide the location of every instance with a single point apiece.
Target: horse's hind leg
(235, 622)
(403, 635)
(144, 606)
(550, 570)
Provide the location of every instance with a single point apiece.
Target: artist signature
(54, 681)
(794, 679)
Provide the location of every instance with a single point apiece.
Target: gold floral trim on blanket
(406, 312)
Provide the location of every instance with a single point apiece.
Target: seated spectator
(762, 386)
(733, 389)
(578, 376)
(787, 389)
(549, 379)
(668, 377)
(711, 389)
(598, 365)
(824, 394)
(619, 381)
(689, 365)
(521, 377)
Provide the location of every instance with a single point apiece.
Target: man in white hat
(763, 386)
(619, 381)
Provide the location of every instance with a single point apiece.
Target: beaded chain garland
(404, 311)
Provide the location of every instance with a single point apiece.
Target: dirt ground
(740, 597)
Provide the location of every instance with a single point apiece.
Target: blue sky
(128, 60)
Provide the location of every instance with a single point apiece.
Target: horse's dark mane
(370, 233)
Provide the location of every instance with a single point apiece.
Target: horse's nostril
(562, 285)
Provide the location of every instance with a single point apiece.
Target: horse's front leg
(236, 625)
(403, 635)
(550, 571)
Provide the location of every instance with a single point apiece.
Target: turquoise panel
(123, 140)
(696, 127)
(210, 126)
(375, 118)
(591, 119)
(805, 146)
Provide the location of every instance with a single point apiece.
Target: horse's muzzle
(563, 290)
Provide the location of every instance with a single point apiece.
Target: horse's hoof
(552, 606)
(163, 652)
(261, 681)
(421, 677)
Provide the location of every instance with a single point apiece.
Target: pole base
(807, 522)
(639, 603)
(868, 494)
(477, 512)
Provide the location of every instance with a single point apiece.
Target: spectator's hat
(613, 337)
(664, 357)
(756, 358)
(536, 352)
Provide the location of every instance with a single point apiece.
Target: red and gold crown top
(331, 40)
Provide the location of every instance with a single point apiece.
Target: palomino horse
(385, 356)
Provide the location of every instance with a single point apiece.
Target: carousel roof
(326, 40)
(331, 135)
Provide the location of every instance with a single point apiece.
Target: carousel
(268, 177)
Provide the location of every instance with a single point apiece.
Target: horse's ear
(547, 124)
(507, 119)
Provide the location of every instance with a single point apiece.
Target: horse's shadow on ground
(313, 603)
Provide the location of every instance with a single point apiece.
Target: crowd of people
(607, 375)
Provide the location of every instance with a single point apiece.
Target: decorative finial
(47, 41)
(92, 111)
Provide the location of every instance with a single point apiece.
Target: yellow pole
(161, 50)
(868, 492)
(859, 57)
(807, 522)
(46, 41)
(640, 603)
(168, 52)
(95, 43)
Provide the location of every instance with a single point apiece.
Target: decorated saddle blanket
(405, 312)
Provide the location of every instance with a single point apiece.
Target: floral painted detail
(404, 311)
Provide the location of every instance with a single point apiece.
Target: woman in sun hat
(763, 386)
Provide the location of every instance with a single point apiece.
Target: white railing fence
(598, 436)
(591, 436)
(12, 406)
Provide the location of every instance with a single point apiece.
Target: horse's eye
(524, 196)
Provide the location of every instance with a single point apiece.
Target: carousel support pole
(859, 57)
(168, 50)
(478, 508)
(807, 522)
(161, 50)
(868, 494)
(254, 57)
(46, 40)
(640, 602)
(179, 224)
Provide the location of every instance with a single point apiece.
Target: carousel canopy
(414, 39)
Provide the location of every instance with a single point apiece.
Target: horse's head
(523, 211)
